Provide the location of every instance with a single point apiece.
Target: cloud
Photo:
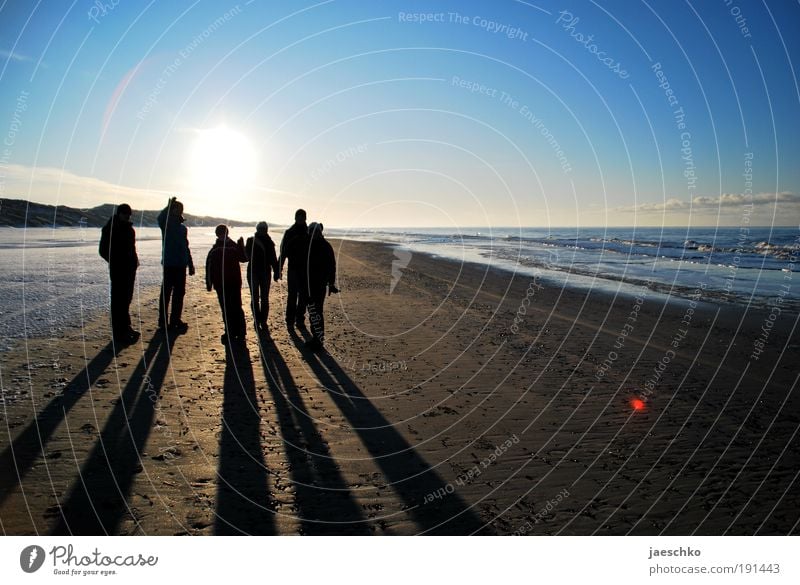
(5, 54)
(61, 187)
(725, 203)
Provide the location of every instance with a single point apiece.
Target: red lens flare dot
(637, 404)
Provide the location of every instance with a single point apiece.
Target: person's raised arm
(162, 216)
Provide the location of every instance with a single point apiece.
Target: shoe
(180, 326)
(125, 338)
(313, 344)
(133, 334)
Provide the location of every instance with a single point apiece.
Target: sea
(53, 278)
(753, 266)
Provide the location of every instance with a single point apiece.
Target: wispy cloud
(14, 56)
(724, 203)
(58, 186)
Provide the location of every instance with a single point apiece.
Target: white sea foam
(55, 278)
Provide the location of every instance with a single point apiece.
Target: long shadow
(408, 473)
(325, 503)
(98, 500)
(19, 456)
(243, 500)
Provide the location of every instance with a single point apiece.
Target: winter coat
(118, 246)
(174, 241)
(321, 263)
(222, 265)
(294, 246)
(260, 251)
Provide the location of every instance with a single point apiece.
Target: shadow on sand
(98, 499)
(18, 458)
(411, 477)
(243, 502)
(325, 504)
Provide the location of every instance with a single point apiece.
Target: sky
(408, 114)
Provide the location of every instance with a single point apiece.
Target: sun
(222, 163)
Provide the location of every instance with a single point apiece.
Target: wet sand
(465, 401)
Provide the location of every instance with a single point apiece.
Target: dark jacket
(118, 246)
(222, 265)
(260, 251)
(321, 263)
(174, 241)
(294, 245)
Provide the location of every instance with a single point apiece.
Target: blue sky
(497, 113)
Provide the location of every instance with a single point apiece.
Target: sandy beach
(466, 401)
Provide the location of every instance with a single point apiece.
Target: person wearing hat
(262, 263)
(320, 281)
(118, 248)
(175, 258)
(224, 275)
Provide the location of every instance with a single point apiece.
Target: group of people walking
(308, 257)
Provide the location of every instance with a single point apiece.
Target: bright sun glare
(222, 164)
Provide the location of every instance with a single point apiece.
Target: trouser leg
(230, 304)
(254, 294)
(316, 314)
(232, 313)
(222, 309)
(179, 291)
(164, 297)
(121, 296)
(296, 301)
(265, 285)
(233, 300)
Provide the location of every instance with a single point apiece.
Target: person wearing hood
(262, 264)
(224, 275)
(320, 281)
(118, 248)
(294, 247)
(175, 258)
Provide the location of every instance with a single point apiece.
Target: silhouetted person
(225, 276)
(294, 247)
(263, 264)
(320, 281)
(118, 248)
(175, 257)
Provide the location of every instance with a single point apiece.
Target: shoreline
(467, 400)
(557, 277)
(607, 284)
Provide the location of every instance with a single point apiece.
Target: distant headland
(21, 213)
